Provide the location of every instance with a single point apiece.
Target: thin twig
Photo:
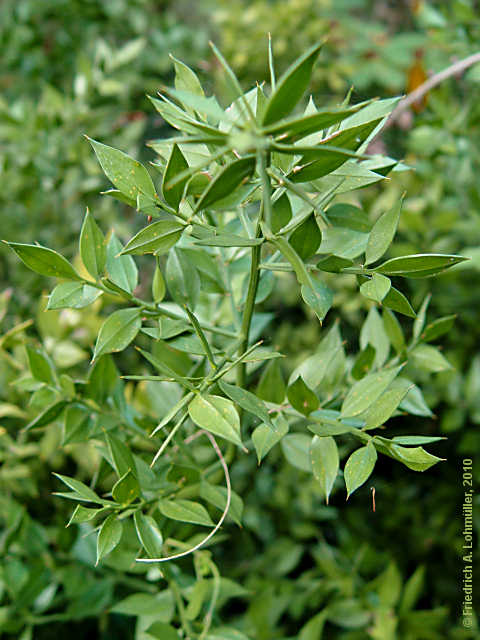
(225, 511)
(428, 85)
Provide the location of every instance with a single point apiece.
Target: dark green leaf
(121, 455)
(176, 164)
(47, 416)
(108, 537)
(79, 488)
(398, 302)
(306, 238)
(117, 332)
(92, 247)
(393, 330)
(226, 181)
(149, 534)
(271, 386)
(40, 366)
(247, 401)
(126, 489)
(281, 212)
(297, 128)
(291, 87)
(44, 261)
(301, 397)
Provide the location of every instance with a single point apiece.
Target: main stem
(265, 213)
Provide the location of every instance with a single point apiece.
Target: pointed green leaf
(291, 87)
(301, 397)
(83, 492)
(155, 238)
(182, 279)
(376, 288)
(92, 246)
(398, 302)
(296, 449)
(419, 265)
(121, 270)
(47, 416)
(218, 497)
(271, 386)
(185, 511)
(393, 330)
(117, 332)
(176, 164)
(299, 127)
(127, 174)
(318, 296)
(429, 358)
(325, 463)
(186, 79)
(159, 288)
(72, 295)
(416, 440)
(281, 212)
(126, 489)
(226, 181)
(359, 467)
(121, 455)
(384, 406)
(382, 233)
(364, 392)
(108, 537)
(228, 240)
(149, 534)
(83, 514)
(40, 366)
(217, 415)
(306, 238)
(415, 458)
(438, 328)
(264, 438)
(44, 261)
(247, 401)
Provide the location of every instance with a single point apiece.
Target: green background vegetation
(76, 67)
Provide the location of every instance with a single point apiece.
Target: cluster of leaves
(68, 68)
(244, 203)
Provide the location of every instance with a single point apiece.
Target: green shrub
(243, 215)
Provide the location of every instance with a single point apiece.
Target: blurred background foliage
(71, 67)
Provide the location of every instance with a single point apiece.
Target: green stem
(265, 213)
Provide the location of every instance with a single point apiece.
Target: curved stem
(225, 511)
